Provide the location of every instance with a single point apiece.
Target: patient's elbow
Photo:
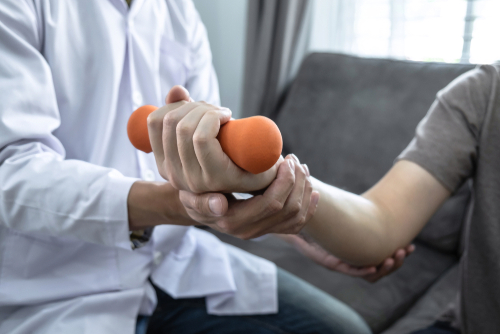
(371, 254)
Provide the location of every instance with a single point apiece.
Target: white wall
(225, 21)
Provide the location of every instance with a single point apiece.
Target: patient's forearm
(366, 229)
(349, 226)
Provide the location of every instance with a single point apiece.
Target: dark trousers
(302, 309)
(438, 328)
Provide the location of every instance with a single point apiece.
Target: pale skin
(284, 206)
(183, 137)
(187, 152)
(386, 217)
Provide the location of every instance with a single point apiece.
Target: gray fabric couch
(348, 118)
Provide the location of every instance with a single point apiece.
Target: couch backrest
(348, 118)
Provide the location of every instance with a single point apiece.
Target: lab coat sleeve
(40, 191)
(202, 79)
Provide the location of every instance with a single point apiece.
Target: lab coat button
(149, 175)
(157, 257)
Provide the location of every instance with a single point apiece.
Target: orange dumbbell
(253, 143)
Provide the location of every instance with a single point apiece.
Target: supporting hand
(370, 273)
(284, 207)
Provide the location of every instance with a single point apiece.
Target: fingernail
(295, 158)
(307, 170)
(291, 165)
(215, 205)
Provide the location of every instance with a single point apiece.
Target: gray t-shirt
(457, 140)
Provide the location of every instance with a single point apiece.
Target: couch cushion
(348, 118)
(381, 303)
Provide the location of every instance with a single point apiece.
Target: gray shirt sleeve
(446, 140)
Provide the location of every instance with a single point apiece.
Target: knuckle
(212, 113)
(213, 184)
(200, 139)
(290, 179)
(196, 189)
(300, 170)
(164, 175)
(185, 199)
(154, 122)
(175, 183)
(294, 209)
(194, 186)
(299, 226)
(170, 120)
(183, 130)
(274, 206)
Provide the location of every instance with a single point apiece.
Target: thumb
(209, 204)
(177, 94)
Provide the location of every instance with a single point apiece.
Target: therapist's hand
(370, 273)
(183, 136)
(284, 207)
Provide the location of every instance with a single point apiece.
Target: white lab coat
(71, 73)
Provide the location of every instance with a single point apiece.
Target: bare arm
(366, 229)
(284, 207)
(155, 203)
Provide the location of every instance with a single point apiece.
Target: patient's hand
(284, 207)
(183, 136)
(327, 260)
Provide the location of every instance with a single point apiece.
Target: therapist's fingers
(191, 134)
(256, 216)
(313, 205)
(172, 165)
(302, 177)
(155, 130)
(204, 205)
(214, 162)
(190, 166)
(176, 97)
(220, 171)
(292, 216)
(247, 219)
